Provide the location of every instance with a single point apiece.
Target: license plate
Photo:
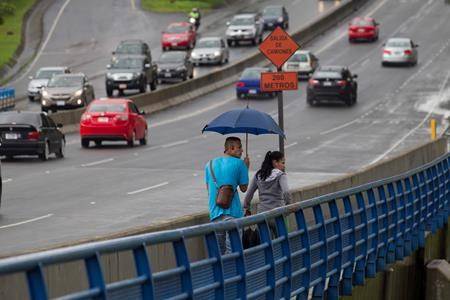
(174, 44)
(397, 53)
(270, 24)
(326, 83)
(122, 86)
(11, 136)
(60, 103)
(360, 30)
(103, 119)
(253, 92)
(168, 75)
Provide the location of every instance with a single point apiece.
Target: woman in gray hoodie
(271, 182)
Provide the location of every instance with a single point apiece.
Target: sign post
(278, 47)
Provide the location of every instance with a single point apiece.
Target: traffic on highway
(364, 93)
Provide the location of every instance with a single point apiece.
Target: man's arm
(243, 175)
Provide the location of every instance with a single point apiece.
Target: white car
(210, 50)
(43, 76)
(303, 62)
(400, 51)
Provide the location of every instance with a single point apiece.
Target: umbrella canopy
(245, 120)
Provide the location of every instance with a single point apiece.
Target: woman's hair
(267, 166)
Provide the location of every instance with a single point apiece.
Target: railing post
(286, 251)
(304, 238)
(421, 195)
(359, 274)
(264, 233)
(347, 275)
(95, 275)
(236, 246)
(143, 269)
(384, 228)
(318, 290)
(371, 267)
(394, 241)
(214, 252)
(36, 283)
(182, 260)
(411, 242)
(333, 284)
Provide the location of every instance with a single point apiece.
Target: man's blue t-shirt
(228, 170)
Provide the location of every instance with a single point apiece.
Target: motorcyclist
(195, 14)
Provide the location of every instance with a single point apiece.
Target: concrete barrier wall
(191, 89)
(71, 276)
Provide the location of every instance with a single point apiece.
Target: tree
(7, 8)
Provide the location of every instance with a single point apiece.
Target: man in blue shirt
(228, 170)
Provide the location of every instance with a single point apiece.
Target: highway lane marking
(50, 33)
(175, 144)
(98, 162)
(26, 222)
(148, 188)
(441, 93)
(133, 4)
(7, 180)
(339, 127)
(290, 145)
(193, 114)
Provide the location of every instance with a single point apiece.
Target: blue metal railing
(323, 246)
(7, 98)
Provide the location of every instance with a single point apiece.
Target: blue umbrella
(246, 121)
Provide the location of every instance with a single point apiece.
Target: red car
(179, 36)
(363, 29)
(113, 120)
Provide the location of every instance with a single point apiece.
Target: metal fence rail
(7, 98)
(322, 246)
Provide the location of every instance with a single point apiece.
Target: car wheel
(153, 85)
(9, 157)
(143, 141)
(130, 142)
(109, 91)
(192, 75)
(62, 150)
(31, 98)
(255, 41)
(383, 64)
(44, 109)
(84, 143)
(240, 95)
(121, 93)
(230, 43)
(143, 86)
(98, 143)
(260, 39)
(350, 100)
(184, 77)
(350, 40)
(44, 155)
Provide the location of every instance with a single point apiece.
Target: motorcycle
(195, 22)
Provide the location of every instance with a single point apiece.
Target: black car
(332, 83)
(175, 65)
(132, 47)
(275, 15)
(30, 133)
(130, 72)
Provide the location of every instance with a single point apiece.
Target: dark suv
(130, 72)
(132, 47)
(332, 83)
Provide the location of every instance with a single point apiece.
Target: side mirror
(108, 66)
(30, 77)
(147, 66)
(355, 75)
(59, 125)
(142, 113)
(228, 23)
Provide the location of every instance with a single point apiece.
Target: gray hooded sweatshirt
(273, 191)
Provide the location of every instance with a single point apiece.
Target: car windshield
(362, 22)
(397, 44)
(252, 74)
(129, 49)
(242, 21)
(172, 57)
(127, 63)
(47, 74)
(65, 81)
(208, 44)
(177, 29)
(20, 118)
(327, 74)
(107, 107)
(298, 57)
(272, 11)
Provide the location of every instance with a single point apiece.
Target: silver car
(303, 62)
(400, 51)
(40, 80)
(210, 50)
(245, 28)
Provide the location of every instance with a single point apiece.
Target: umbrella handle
(246, 145)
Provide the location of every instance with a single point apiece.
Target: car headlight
(109, 75)
(136, 75)
(158, 70)
(194, 55)
(182, 68)
(78, 93)
(44, 93)
(280, 19)
(217, 53)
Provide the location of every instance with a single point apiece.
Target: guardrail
(326, 244)
(7, 98)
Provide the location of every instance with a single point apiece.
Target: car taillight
(342, 83)
(387, 52)
(121, 117)
(353, 28)
(85, 117)
(240, 84)
(313, 82)
(408, 52)
(34, 135)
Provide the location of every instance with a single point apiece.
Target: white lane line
(441, 93)
(7, 180)
(290, 145)
(193, 114)
(339, 127)
(97, 162)
(25, 222)
(50, 33)
(133, 5)
(175, 144)
(149, 188)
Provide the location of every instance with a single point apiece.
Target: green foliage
(179, 5)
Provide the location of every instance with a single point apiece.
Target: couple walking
(226, 174)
